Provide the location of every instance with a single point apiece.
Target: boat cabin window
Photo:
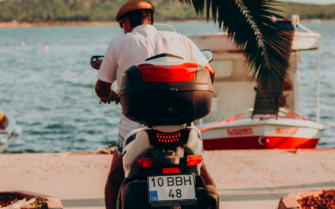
(222, 68)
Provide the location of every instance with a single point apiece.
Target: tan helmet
(132, 5)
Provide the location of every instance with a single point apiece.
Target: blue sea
(51, 93)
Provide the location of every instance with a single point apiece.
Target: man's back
(134, 48)
(141, 41)
(144, 42)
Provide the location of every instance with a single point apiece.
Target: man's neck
(146, 22)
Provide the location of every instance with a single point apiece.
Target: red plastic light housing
(145, 162)
(194, 160)
(168, 73)
(160, 138)
(170, 170)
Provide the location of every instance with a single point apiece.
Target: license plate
(171, 188)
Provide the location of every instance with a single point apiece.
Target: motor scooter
(162, 158)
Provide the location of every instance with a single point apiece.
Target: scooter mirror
(96, 61)
(208, 54)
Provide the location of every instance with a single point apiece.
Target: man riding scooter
(140, 41)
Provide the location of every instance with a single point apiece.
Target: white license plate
(176, 187)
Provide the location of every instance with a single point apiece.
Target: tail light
(145, 162)
(170, 170)
(194, 160)
(160, 138)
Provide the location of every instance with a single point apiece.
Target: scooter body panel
(134, 150)
(137, 145)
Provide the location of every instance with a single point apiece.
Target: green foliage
(310, 11)
(83, 10)
(105, 10)
(249, 23)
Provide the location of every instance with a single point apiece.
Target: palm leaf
(250, 24)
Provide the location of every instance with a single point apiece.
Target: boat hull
(269, 134)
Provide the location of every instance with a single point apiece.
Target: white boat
(8, 130)
(264, 126)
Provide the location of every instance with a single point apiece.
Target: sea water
(51, 92)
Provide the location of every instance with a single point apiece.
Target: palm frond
(250, 24)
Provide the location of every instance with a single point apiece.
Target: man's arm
(211, 71)
(107, 76)
(195, 55)
(105, 93)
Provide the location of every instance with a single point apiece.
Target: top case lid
(165, 72)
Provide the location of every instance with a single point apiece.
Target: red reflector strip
(168, 138)
(170, 170)
(159, 138)
(194, 160)
(168, 73)
(145, 163)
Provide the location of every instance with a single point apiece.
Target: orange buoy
(46, 47)
(3, 121)
(1, 115)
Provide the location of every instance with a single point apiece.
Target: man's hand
(105, 93)
(114, 98)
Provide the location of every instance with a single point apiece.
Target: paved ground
(245, 179)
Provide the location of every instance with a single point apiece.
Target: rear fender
(134, 195)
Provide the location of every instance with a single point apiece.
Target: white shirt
(135, 47)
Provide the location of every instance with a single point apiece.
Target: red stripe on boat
(168, 73)
(260, 142)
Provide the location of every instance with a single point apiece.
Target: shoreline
(16, 24)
